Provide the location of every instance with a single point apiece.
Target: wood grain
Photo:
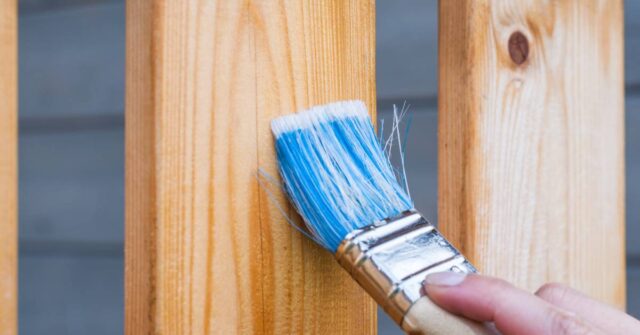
(531, 156)
(8, 167)
(207, 252)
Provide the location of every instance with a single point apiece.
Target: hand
(553, 309)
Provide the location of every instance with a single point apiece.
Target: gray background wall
(72, 150)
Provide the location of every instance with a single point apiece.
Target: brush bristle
(335, 172)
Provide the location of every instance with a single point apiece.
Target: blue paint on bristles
(335, 171)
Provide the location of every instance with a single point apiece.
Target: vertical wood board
(531, 146)
(207, 251)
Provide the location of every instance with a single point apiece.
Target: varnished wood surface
(531, 156)
(8, 167)
(207, 252)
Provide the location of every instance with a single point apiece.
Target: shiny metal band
(391, 258)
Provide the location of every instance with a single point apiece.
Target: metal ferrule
(391, 258)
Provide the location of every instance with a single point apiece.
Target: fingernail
(445, 278)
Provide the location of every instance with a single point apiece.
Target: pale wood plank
(206, 250)
(531, 156)
(8, 167)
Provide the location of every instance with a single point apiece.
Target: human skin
(553, 309)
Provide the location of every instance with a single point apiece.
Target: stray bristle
(335, 171)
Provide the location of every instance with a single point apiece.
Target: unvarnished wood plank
(206, 249)
(8, 167)
(531, 148)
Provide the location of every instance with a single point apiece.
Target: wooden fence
(531, 154)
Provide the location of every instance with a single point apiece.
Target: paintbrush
(340, 181)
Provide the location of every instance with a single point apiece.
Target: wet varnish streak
(531, 140)
(207, 252)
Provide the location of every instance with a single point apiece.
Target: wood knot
(518, 47)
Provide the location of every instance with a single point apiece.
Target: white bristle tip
(317, 115)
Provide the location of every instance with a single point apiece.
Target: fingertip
(455, 292)
(555, 293)
(446, 279)
(441, 286)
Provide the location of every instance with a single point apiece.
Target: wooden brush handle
(427, 318)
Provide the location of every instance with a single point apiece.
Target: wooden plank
(8, 167)
(531, 148)
(206, 250)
